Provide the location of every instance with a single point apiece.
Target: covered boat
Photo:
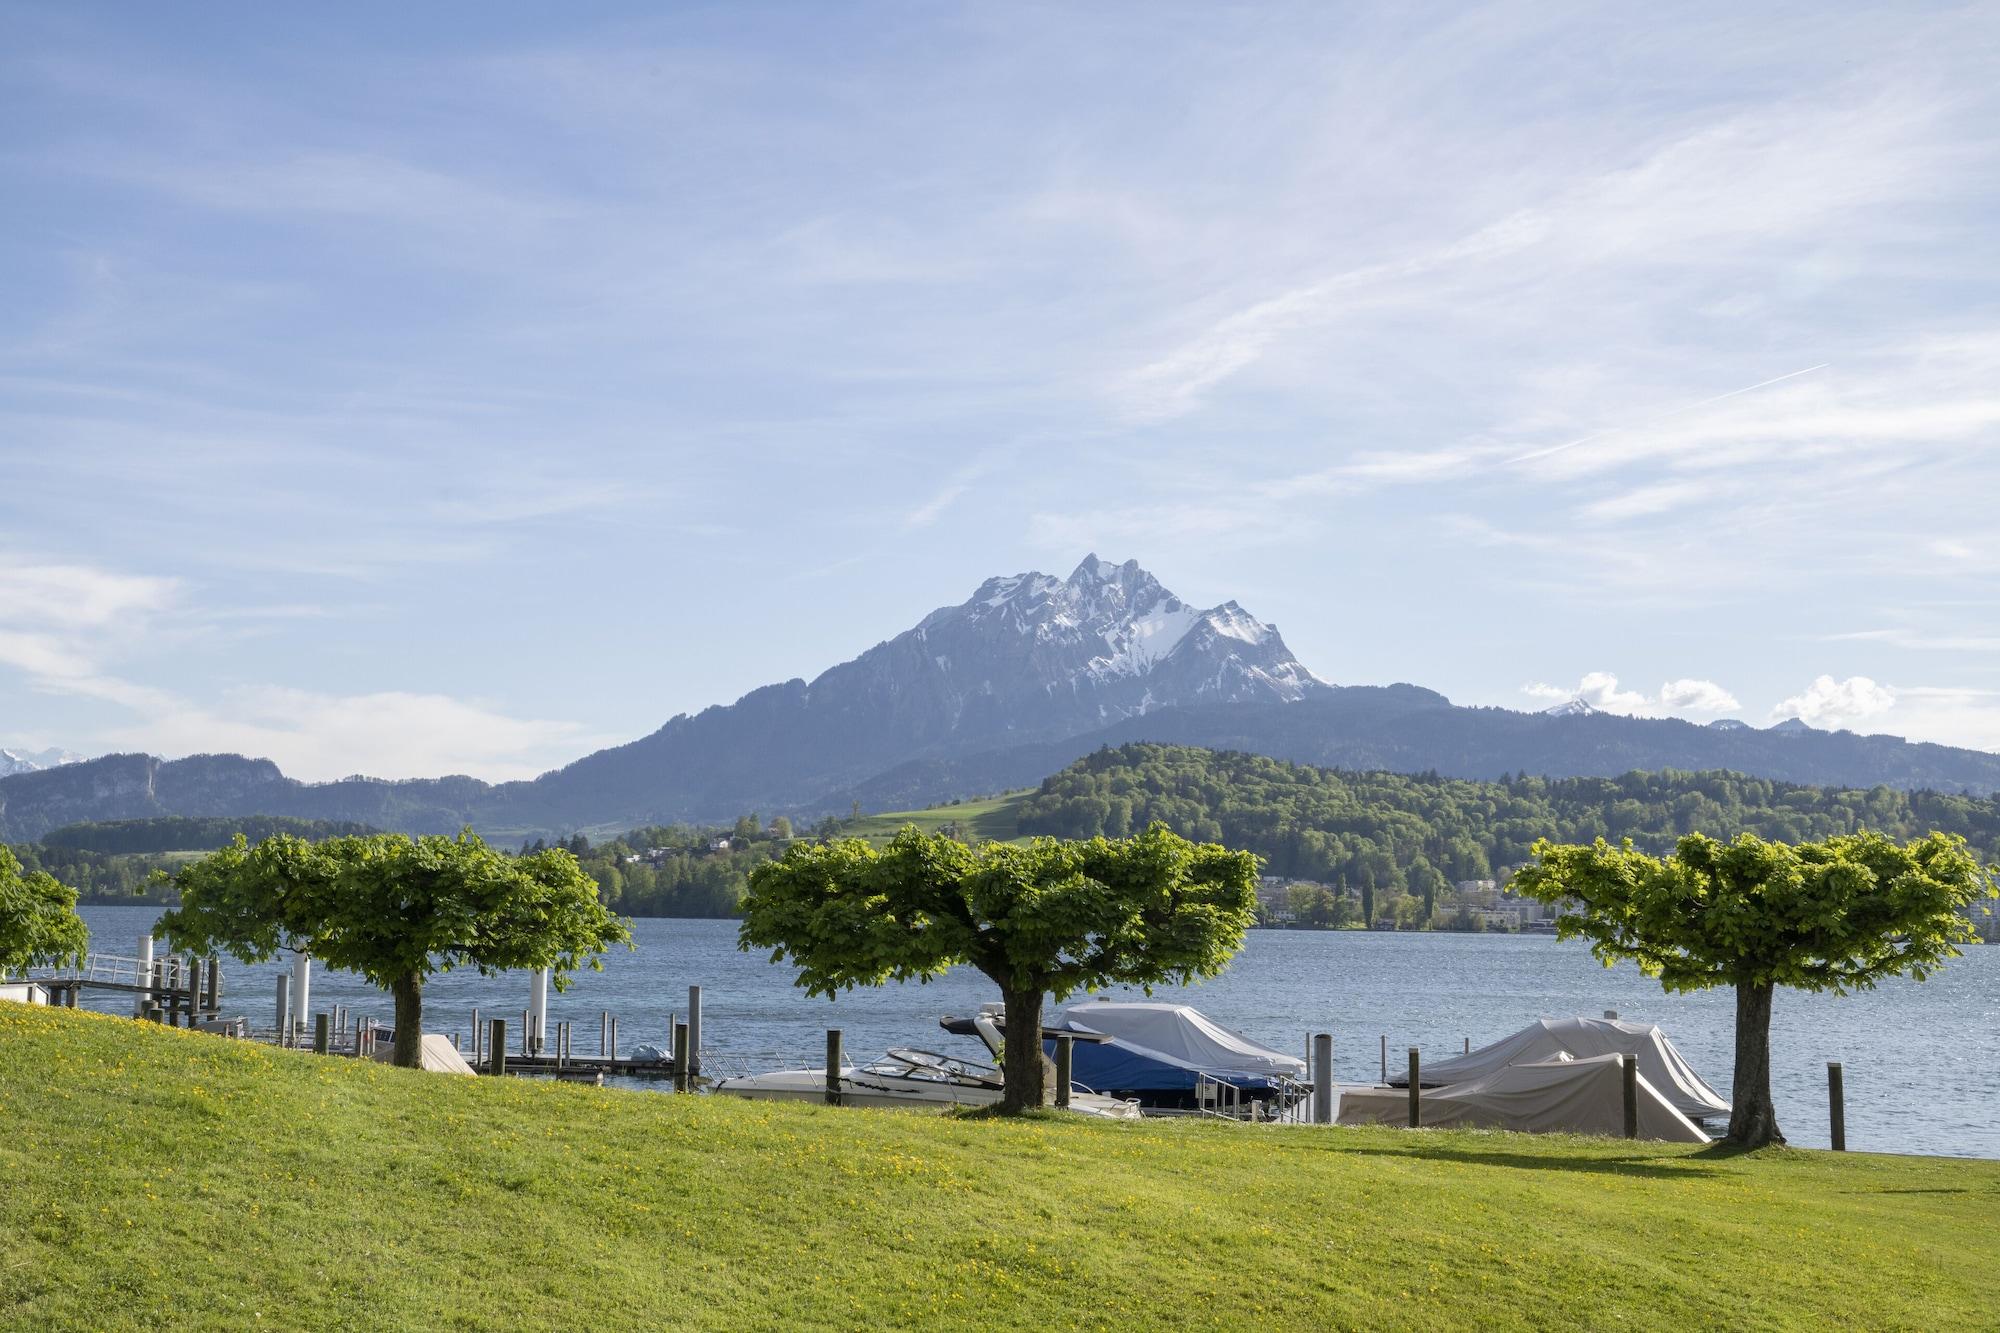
(1159, 1053)
(1660, 1064)
(1560, 1096)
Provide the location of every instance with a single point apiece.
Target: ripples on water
(1922, 1061)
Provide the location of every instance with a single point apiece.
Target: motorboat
(908, 1078)
(1660, 1062)
(1562, 1095)
(1167, 1057)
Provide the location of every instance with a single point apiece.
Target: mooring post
(1385, 1057)
(477, 1033)
(153, 1014)
(1468, 1046)
(143, 1000)
(284, 1019)
(682, 1083)
(302, 970)
(1064, 1054)
(1322, 1072)
(322, 1033)
(603, 1033)
(1629, 1069)
(538, 1002)
(833, 1066)
(614, 1039)
(1416, 1092)
(497, 1048)
(1836, 1105)
(215, 984)
(524, 1031)
(694, 1030)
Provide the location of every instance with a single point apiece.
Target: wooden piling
(1629, 1070)
(1322, 1078)
(322, 1033)
(1416, 1091)
(284, 1019)
(614, 1039)
(1836, 1105)
(682, 1083)
(215, 984)
(604, 1033)
(1385, 1057)
(1468, 1046)
(833, 1066)
(1064, 1055)
(496, 1047)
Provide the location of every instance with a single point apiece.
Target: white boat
(909, 1079)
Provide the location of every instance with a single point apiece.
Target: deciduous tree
(1047, 918)
(1837, 915)
(396, 910)
(38, 920)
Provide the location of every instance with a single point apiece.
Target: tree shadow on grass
(1674, 1168)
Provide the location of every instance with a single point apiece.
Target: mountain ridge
(998, 691)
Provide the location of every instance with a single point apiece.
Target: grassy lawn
(994, 820)
(160, 1179)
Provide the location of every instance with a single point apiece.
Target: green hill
(161, 1179)
(992, 820)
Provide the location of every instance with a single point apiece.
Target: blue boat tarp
(1165, 1047)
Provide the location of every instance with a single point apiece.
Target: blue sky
(462, 388)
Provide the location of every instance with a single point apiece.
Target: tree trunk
(409, 1048)
(1022, 1065)
(1753, 1117)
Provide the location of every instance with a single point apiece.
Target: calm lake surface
(1922, 1062)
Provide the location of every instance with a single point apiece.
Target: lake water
(1921, 1061)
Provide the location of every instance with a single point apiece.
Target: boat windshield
(906, 1063)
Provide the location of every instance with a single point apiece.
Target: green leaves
(388, 906)
(1049, 916)
(38, 920)
(1835, 915)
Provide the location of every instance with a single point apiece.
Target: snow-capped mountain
(34, 761)
(1027, 658)
(1573, 707)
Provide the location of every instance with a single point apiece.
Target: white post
(694, 1030)
(302, 970)
(143, 998)
(538, 1010)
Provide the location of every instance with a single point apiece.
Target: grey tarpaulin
(1659, 1063)
(1560, 1096)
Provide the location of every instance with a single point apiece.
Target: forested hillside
(1396, 833)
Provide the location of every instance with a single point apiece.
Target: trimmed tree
(396, 910)
(38, 921)
(1047, 918)
(1838, 915)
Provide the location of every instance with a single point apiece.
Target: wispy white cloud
(1600, 689)
(1827, 702)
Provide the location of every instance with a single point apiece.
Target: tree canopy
(1048, 917)
(38, 920)
(396, 910)
(1836, 915)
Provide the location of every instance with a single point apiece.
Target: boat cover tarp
(1558, 1096)
(1659, 1063)
(437, 1054)
(1163, 1046)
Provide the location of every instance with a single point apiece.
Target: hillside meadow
(157, 1178)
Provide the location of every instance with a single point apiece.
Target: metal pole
(694, 1029)
(614, 1039)
(538, 1001)
(302, 970)
(1629, 1068)
(833, 1066)
(604, 1032)
(1064, 1053)
(144, 999)
(1836, 1105)
(1416, 1092)
(1322, 1072)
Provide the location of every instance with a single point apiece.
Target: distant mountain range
(34, 761)
(1026, 675)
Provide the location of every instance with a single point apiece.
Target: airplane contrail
(1668, 416)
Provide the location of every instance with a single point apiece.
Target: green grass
(151, 1178)
(996, 820)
